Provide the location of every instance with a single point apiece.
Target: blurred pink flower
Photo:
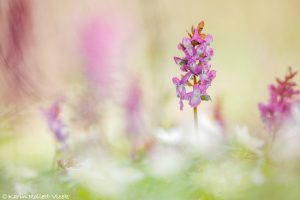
(133, 110)
(103, 43)
(218, 114)
(103, 40)
(13, 50)
(97, 46)
(56, 126)
(282, 97)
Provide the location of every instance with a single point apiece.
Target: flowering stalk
(282, 98)
(58, 128)
(195, 66)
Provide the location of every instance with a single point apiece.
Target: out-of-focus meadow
(88, 107)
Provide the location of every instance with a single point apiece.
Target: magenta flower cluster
(282, 98)
(195, 66)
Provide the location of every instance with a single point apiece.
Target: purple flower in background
(282, 97)
(195, 67)
(56, 126)
(133, 108)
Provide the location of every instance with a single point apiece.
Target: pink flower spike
(195, 64)
(282, 97)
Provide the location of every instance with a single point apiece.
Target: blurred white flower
(249, 141)
(23, 188)
(208, 140)
(175, 146)
(257, 175)
(286, 146)
(165, 161)
(103, 174)
(296, 114)
(223, 179)
(21, 172)
(21, 177)
(174, 136)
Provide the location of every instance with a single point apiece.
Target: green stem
(196, 118)
(195, 109)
